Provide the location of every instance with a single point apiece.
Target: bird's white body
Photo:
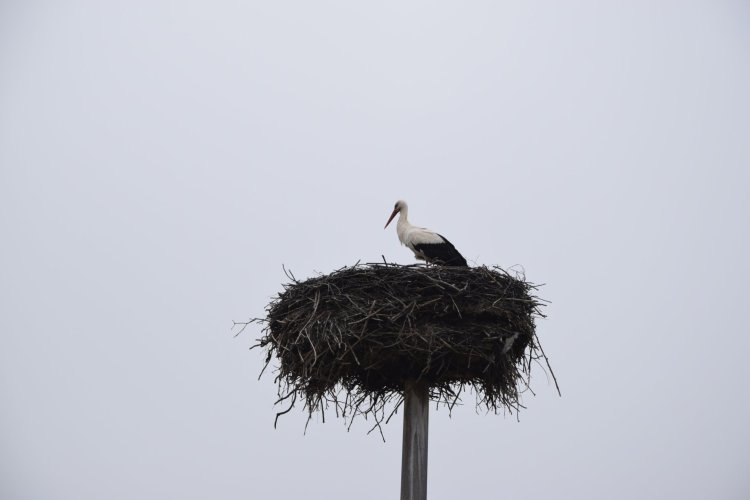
(427, 245)
(411, 236)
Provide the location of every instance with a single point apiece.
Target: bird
(427, 245)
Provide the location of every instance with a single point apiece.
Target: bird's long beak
(395, 211)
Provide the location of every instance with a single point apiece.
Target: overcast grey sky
(160, 161)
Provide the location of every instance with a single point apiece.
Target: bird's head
(400, 206)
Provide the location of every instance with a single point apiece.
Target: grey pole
(414, 448)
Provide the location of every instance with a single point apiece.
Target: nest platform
(350, 339)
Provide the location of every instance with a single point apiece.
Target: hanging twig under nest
(350, 339)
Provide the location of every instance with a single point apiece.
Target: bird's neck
(402, 223)
(402, 227)
(402, 216)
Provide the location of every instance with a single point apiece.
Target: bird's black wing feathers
(442, 253)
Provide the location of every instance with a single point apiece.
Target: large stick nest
(351, 338)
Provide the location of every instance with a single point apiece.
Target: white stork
(427, 245)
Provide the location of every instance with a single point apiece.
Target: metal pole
(414, 450)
